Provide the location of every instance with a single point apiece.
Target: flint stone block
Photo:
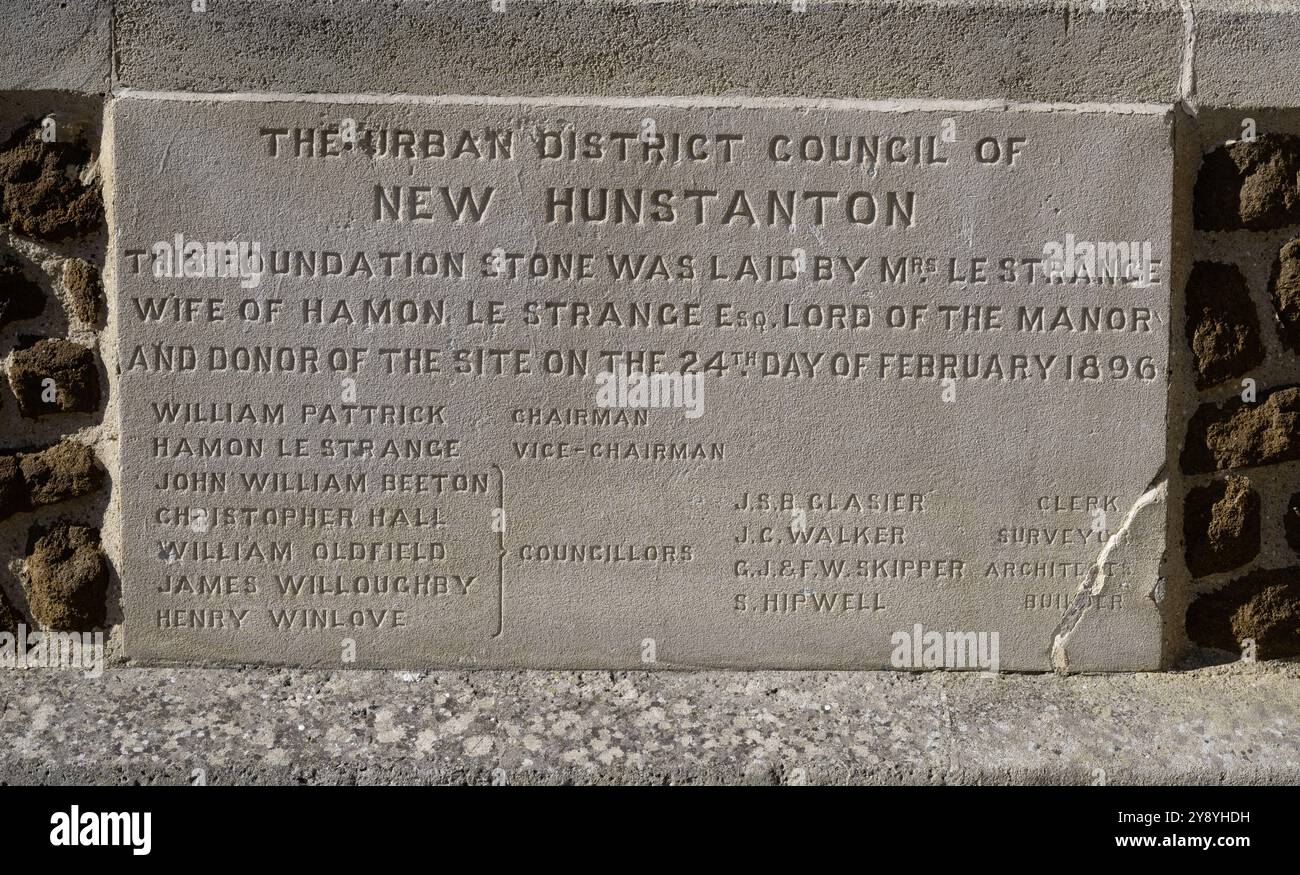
(1284, 289)
(1263, 607)
(1221, 323)
(14, 496)
(1291, 523)
(1253, 185)
(67, 579)
(85, 291)
(42, 194)
(1241, 434)
(9, 616)
(73, 369)
(20, 296)
(58, 473)
(65, 470)
(1221, 526)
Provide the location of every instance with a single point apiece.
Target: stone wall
(1228, 70)
(1240, 454)
(57, 428)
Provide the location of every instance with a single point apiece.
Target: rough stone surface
(1291, 523)
(1263, 605)
(14, 496)
(1245, 53)
(41, 192)
(58, 45)
(58, 473)
(1238, 434)
(1230, 724)
(1221, 323)
(1221, 526)
(940, 50)
(1284, 289)
(67, 579)
(73, 368)
(20, 296)
(85, 291)
(1254, 185)
(65, 470)
(9, 616)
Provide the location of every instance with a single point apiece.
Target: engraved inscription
(441, 384)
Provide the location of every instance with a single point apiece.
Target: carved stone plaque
(636, 385)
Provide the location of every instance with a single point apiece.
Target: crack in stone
(1187, 71)
(1097, 579)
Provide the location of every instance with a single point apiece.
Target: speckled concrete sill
(1228, 724)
